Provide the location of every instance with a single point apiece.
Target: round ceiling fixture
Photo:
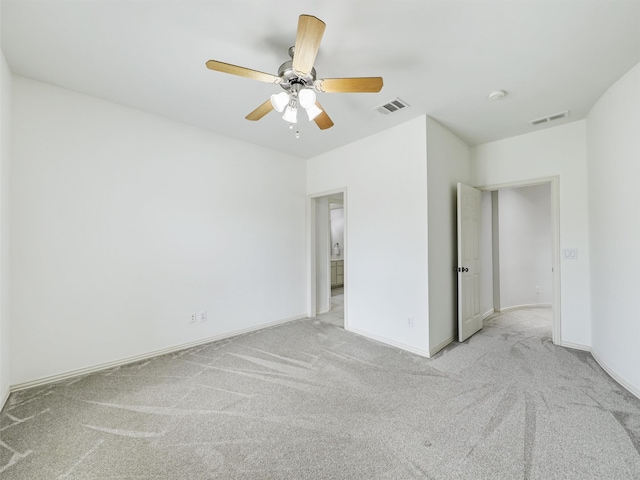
(497, 95)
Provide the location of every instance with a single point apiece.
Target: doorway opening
(327, 259)
(524, 244)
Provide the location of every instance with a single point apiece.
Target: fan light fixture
(279, 101)
(290, 114)
(313, 111)
(288, 102)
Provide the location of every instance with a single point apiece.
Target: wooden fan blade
(242, 72)
(261, 111)
(323, 121)
(310, 31)
(347, 85)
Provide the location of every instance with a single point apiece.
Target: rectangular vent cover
(392, 106)
(550, 118)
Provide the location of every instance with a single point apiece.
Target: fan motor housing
(289, 76)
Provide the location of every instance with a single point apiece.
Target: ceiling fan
(298, 79)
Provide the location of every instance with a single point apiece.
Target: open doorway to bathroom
(336, 227)
(328, 257)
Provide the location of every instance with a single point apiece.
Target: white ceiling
(441, 57)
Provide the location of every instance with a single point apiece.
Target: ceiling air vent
(550, 118)
(392, 106)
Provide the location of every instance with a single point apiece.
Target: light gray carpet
(335, 315)
(309, 400)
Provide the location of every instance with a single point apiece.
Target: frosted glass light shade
(280, 100)
(313, 112)
(307, 97)
(290, 115)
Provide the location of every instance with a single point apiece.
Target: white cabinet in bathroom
(337, 273)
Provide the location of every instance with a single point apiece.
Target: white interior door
(469, 314)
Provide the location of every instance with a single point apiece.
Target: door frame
(554, 184)
(311, 250)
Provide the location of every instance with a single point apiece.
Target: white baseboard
(4, 397)
(526, 305)
(488, 313)
(136, 358)
(386, 341)
(440, 346)
(622, 381)
(575, 346)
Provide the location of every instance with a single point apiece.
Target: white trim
(386, 341)
(495, 250)
(554, 182)
(144, 356)
(576, 346)
(440, 346)
(520, 183)
(524, 306)
(556, 330)
(4, 398)
(311, 258)
(622, 381)
(488, 313)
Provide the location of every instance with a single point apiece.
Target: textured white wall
(448, 162)
(525, 245)
(124, 223)
(386, 262)
(613, 136)
(559, 151)
(6, 81)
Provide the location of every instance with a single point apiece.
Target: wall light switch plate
(202, 316)
(570, 253)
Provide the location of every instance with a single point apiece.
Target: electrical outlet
(409, 321)
(202, 316)
(193, 318)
